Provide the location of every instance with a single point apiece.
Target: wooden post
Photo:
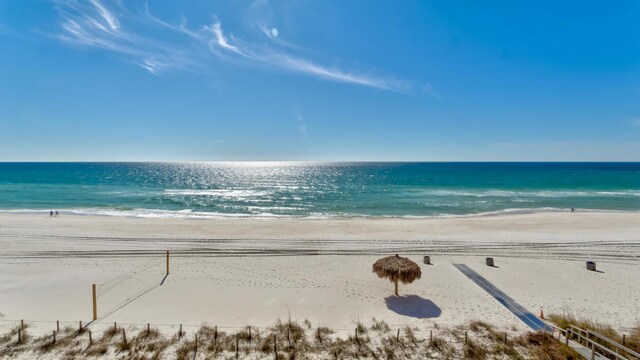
(196, 341)
(80, 326)
(505, 337)
(22, 324)
(398, 335)
(19, 335)
(57, 325)
(215, 333)
(95, 303)
(275, 347)
(148, 329)
(167, 262)
(289, 335)
(566, 337)
(124, 337)
(624, 339)
(466, 337)
(54, 337)
(237, 345)
(90, 339)
(249, 334)
(115, 327)
(430, 336)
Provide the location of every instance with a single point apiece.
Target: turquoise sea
(253, 189)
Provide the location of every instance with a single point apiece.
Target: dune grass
(290, 340)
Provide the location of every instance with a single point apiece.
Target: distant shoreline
(189, 215)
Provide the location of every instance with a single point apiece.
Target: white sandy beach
(234, 272)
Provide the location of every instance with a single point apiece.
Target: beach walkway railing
(591, 345)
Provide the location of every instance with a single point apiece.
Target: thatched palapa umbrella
(397, 268)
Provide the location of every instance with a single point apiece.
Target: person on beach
(56, 213)
(50, 213)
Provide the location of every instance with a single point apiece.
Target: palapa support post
(95, 302)
(167, 262)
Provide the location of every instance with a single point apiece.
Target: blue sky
(319, 80)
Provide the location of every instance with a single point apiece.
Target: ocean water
(210, 190)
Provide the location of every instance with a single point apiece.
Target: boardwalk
(518, 310)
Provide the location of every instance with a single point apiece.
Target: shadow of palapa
(413, 306)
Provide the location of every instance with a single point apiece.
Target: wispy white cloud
(93, 23)
(635, 122)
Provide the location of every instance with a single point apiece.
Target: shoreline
(191, 215)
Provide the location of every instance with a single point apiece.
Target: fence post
(466, 337)
(57, 325)
(19, 335)
(124, 337)
(180, 332)
(167, 262)
(275, 347)
(196, 342)
(148, 329)
(215, 333)
(90, 339)
(624, 339)
(237, 345)
(80, 326)
(398, 335)
(54, 337)
(430, 337)
(95, 303)
(22, 324)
